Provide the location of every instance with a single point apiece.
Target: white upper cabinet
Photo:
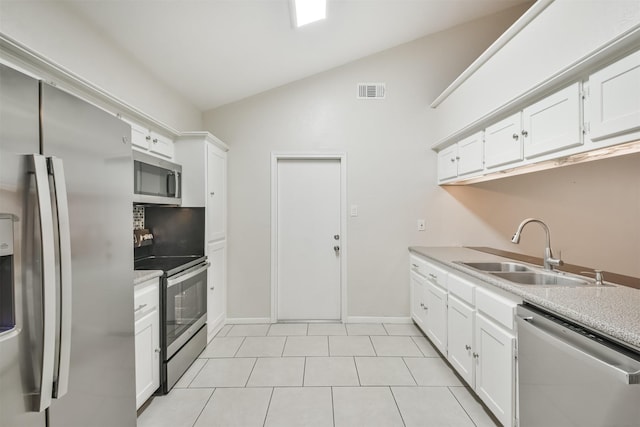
(470, 154)
(503, 142)
(554, 123)
(615, 98)
(447, 163)
(145, 139)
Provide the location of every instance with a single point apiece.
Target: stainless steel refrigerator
(67, 352)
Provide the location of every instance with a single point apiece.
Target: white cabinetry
(147, 340)
(204, 177)
(436, 321)
(615, 99)
(473, 327)
(554, 123)
(495, 343)
(462, 158)
(503, 142)
(148, 140)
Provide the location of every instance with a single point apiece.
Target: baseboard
(247, 320)
(371, 319)
(214, 327)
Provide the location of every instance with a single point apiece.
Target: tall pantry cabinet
(204, 183)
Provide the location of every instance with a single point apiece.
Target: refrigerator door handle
(39, 167)
(64, 233)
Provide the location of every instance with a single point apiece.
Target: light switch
(421, 225)
(354, 210)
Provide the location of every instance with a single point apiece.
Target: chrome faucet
(549, 260)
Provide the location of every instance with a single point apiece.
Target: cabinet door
(418, 308)
(448, 163)
(161, 145)
(436, 320)
(503, 142)
(615, 98)
(460, 339)
(216, 193)
(495, 366)
(470, 154)
(147, 343)
(140, 136)
(553, 123)
(216, 287)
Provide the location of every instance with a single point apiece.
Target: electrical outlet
(421, 225)
(354, 210)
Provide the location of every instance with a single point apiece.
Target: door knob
(336, 237)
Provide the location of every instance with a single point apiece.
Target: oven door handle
(187, 275)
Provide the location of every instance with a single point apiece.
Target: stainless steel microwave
(156, 181)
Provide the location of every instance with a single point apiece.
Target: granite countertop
(612, 310)
(140, 276)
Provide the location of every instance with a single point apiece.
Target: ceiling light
(304, 12)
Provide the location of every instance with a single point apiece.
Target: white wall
(563, 33)
(54, 30)
(390, 169)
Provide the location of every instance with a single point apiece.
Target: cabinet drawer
(496, 307)
(146, 298)
(430, 271)
(462, 288)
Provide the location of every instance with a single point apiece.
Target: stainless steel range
(178, 250)
(183, 332)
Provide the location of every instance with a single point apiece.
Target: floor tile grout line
(199, 370)
(239, 347)
(304, 370)
(255, 362)
(333, 408)
(264, 423)
(397, 406)
(286, 338)
(205, 405)
(385, 329)
(410, 373)
(373, 346)
(462, 406)
(357, 372)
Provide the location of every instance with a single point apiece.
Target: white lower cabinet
(473, 327)
(436, 320)
(216, 288)
(495, 368)
(147, 339)
(460, 319)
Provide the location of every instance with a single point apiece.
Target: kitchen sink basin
(543, 279)
(497, 266)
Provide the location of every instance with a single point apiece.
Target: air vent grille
(371, 90)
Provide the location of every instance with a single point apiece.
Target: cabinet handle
(414, 265)
(155, 140)
(140, 307)
(212, 288)
(148, 138)
(213, 193)
(157, 350)
(422, 304)
(433, 276)
(453, 159)
(525, 133)
(425, 307)
(476, 355)
(467, 347)
(515, 136)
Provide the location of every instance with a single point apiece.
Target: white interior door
(308, 221)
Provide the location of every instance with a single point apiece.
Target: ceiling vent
(371, 90)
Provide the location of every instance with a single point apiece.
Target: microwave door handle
(64, 232)
(39, 167)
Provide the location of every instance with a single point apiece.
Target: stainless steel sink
(496, 266)
(541, 279)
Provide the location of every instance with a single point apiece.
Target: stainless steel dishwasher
(571, 376)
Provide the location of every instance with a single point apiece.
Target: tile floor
(318, 374)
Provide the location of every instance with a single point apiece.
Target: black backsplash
(176, 231)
